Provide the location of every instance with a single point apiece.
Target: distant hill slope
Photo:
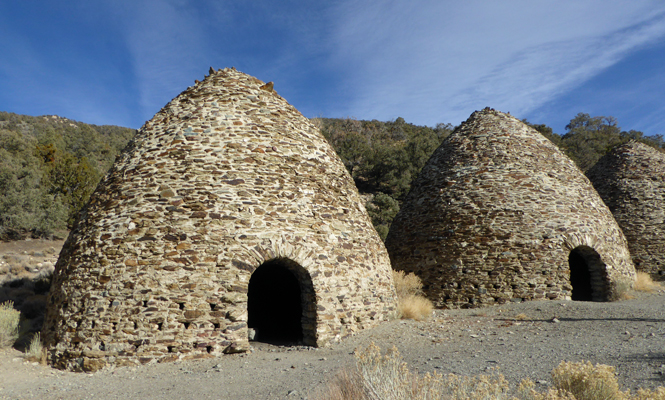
(383, 158)
(49, 165)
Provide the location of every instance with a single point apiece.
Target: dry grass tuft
(406, 285)
(409, 289)
(9, 324)
(521, 317)
(415, 307)
(36, 351)
(644, 283)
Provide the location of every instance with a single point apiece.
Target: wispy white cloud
(431, 61)
(428, 61)
(173, 42)
(166, 43)
(537, 74)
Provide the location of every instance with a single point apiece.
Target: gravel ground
(524, 340)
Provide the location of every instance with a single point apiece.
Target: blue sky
(427, 61)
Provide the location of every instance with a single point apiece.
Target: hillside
(49, 165)
(383, 158)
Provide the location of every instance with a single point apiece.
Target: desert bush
(345, 385)
(645, 394)
(388, 377)
(9, 324)
(586, 381)
(378, 376)
(644, 283)
(493, 386)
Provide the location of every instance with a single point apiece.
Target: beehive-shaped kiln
(631, 181)
(228, 211)
(498, 213)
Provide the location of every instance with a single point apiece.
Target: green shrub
(383, 158)
(9, 324)
(382, 210)
(49, 166)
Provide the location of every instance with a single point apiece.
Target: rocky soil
(524, 340)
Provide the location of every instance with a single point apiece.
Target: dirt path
(522, 340)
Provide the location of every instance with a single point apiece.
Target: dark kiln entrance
(279, 294)
(587, 275)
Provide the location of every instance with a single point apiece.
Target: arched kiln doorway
(281, 305)
(587, 275)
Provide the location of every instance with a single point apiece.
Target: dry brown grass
(407, 284)
(415, 307)
(411, 303)
(644, 283)
(385, 376)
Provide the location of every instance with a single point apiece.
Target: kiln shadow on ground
(29, 297)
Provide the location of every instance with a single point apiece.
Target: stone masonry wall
(494, 216)
(631, 181)
(225, 177)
